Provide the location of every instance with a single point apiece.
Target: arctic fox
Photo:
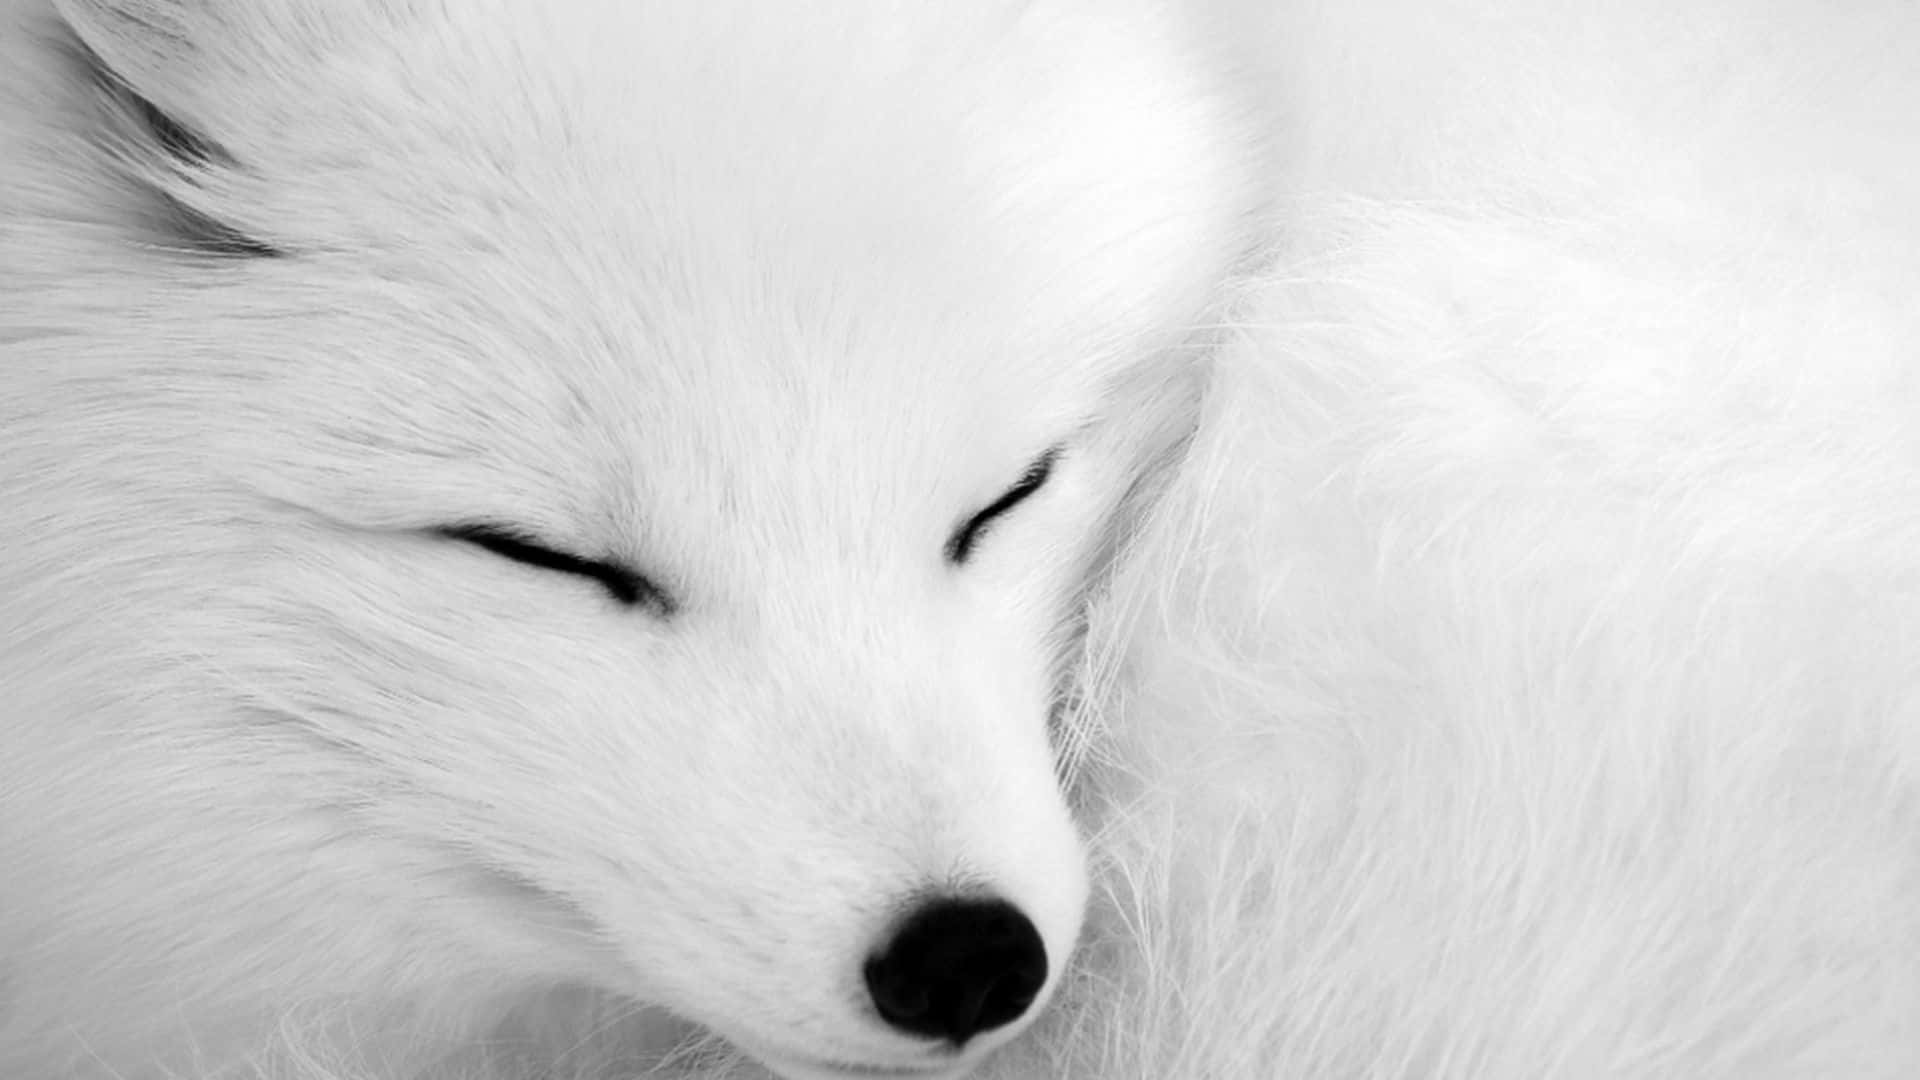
(515, 496)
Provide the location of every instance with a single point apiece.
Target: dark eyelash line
(967, 537)
(627, 586)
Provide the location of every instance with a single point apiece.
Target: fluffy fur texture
(1514, 680)
(740, 311)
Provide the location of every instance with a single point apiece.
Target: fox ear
(191, 57)
(155, 47)
(174, 61)
(163, 68)
(199, 96)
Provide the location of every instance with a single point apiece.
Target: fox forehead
(706, 415)
(870, 281)
(974, 165)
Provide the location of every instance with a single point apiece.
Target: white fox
(529, 530)
(516, 496)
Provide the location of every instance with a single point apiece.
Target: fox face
(600, 496)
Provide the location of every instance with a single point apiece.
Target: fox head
(598, 493)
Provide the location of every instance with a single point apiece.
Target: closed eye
(625, 584)
(967, 537)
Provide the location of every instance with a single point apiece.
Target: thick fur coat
(1474, 613)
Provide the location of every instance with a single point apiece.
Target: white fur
(763, 302)
(1515, 681)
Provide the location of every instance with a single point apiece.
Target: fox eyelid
(967, 537)
(626, 585)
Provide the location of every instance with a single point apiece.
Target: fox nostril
(955, 968)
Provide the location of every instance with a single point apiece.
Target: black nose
(956, 968)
